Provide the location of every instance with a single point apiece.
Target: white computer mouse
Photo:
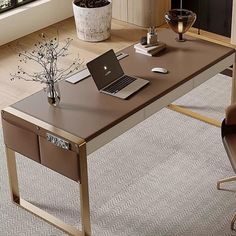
(159, 70)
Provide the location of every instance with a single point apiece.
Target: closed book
(152, 52)
(142, 52)
(149, 48)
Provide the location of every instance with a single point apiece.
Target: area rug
(157, 179)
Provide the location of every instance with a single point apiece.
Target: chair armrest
(230, 118)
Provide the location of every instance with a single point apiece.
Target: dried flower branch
(46, 54)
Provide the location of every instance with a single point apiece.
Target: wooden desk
(87, 119)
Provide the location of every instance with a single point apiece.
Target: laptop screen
(105, 69)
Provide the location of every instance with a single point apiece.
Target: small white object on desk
(159, 70)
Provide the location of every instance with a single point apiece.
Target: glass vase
(53, 93)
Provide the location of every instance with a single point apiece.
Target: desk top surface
(86, 113)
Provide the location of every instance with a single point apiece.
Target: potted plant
(46, 55)
(93, 19)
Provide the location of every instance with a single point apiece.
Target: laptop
(110, 79)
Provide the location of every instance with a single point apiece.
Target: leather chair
(228, 133)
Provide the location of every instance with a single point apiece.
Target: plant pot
(93, 24)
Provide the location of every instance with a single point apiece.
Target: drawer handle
(59, 142)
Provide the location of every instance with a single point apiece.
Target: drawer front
(21, 140)
(63, 161)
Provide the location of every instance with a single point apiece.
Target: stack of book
(149, 50)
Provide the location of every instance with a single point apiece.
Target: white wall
(32, 17)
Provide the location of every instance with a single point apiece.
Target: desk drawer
(21, 140)
(58, 159)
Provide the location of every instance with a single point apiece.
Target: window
(6, 5)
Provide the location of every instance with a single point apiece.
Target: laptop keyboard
(119, 84)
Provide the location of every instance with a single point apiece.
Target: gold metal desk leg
(232, 223)
(15, 194)
(12, 173)
(84, 190)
